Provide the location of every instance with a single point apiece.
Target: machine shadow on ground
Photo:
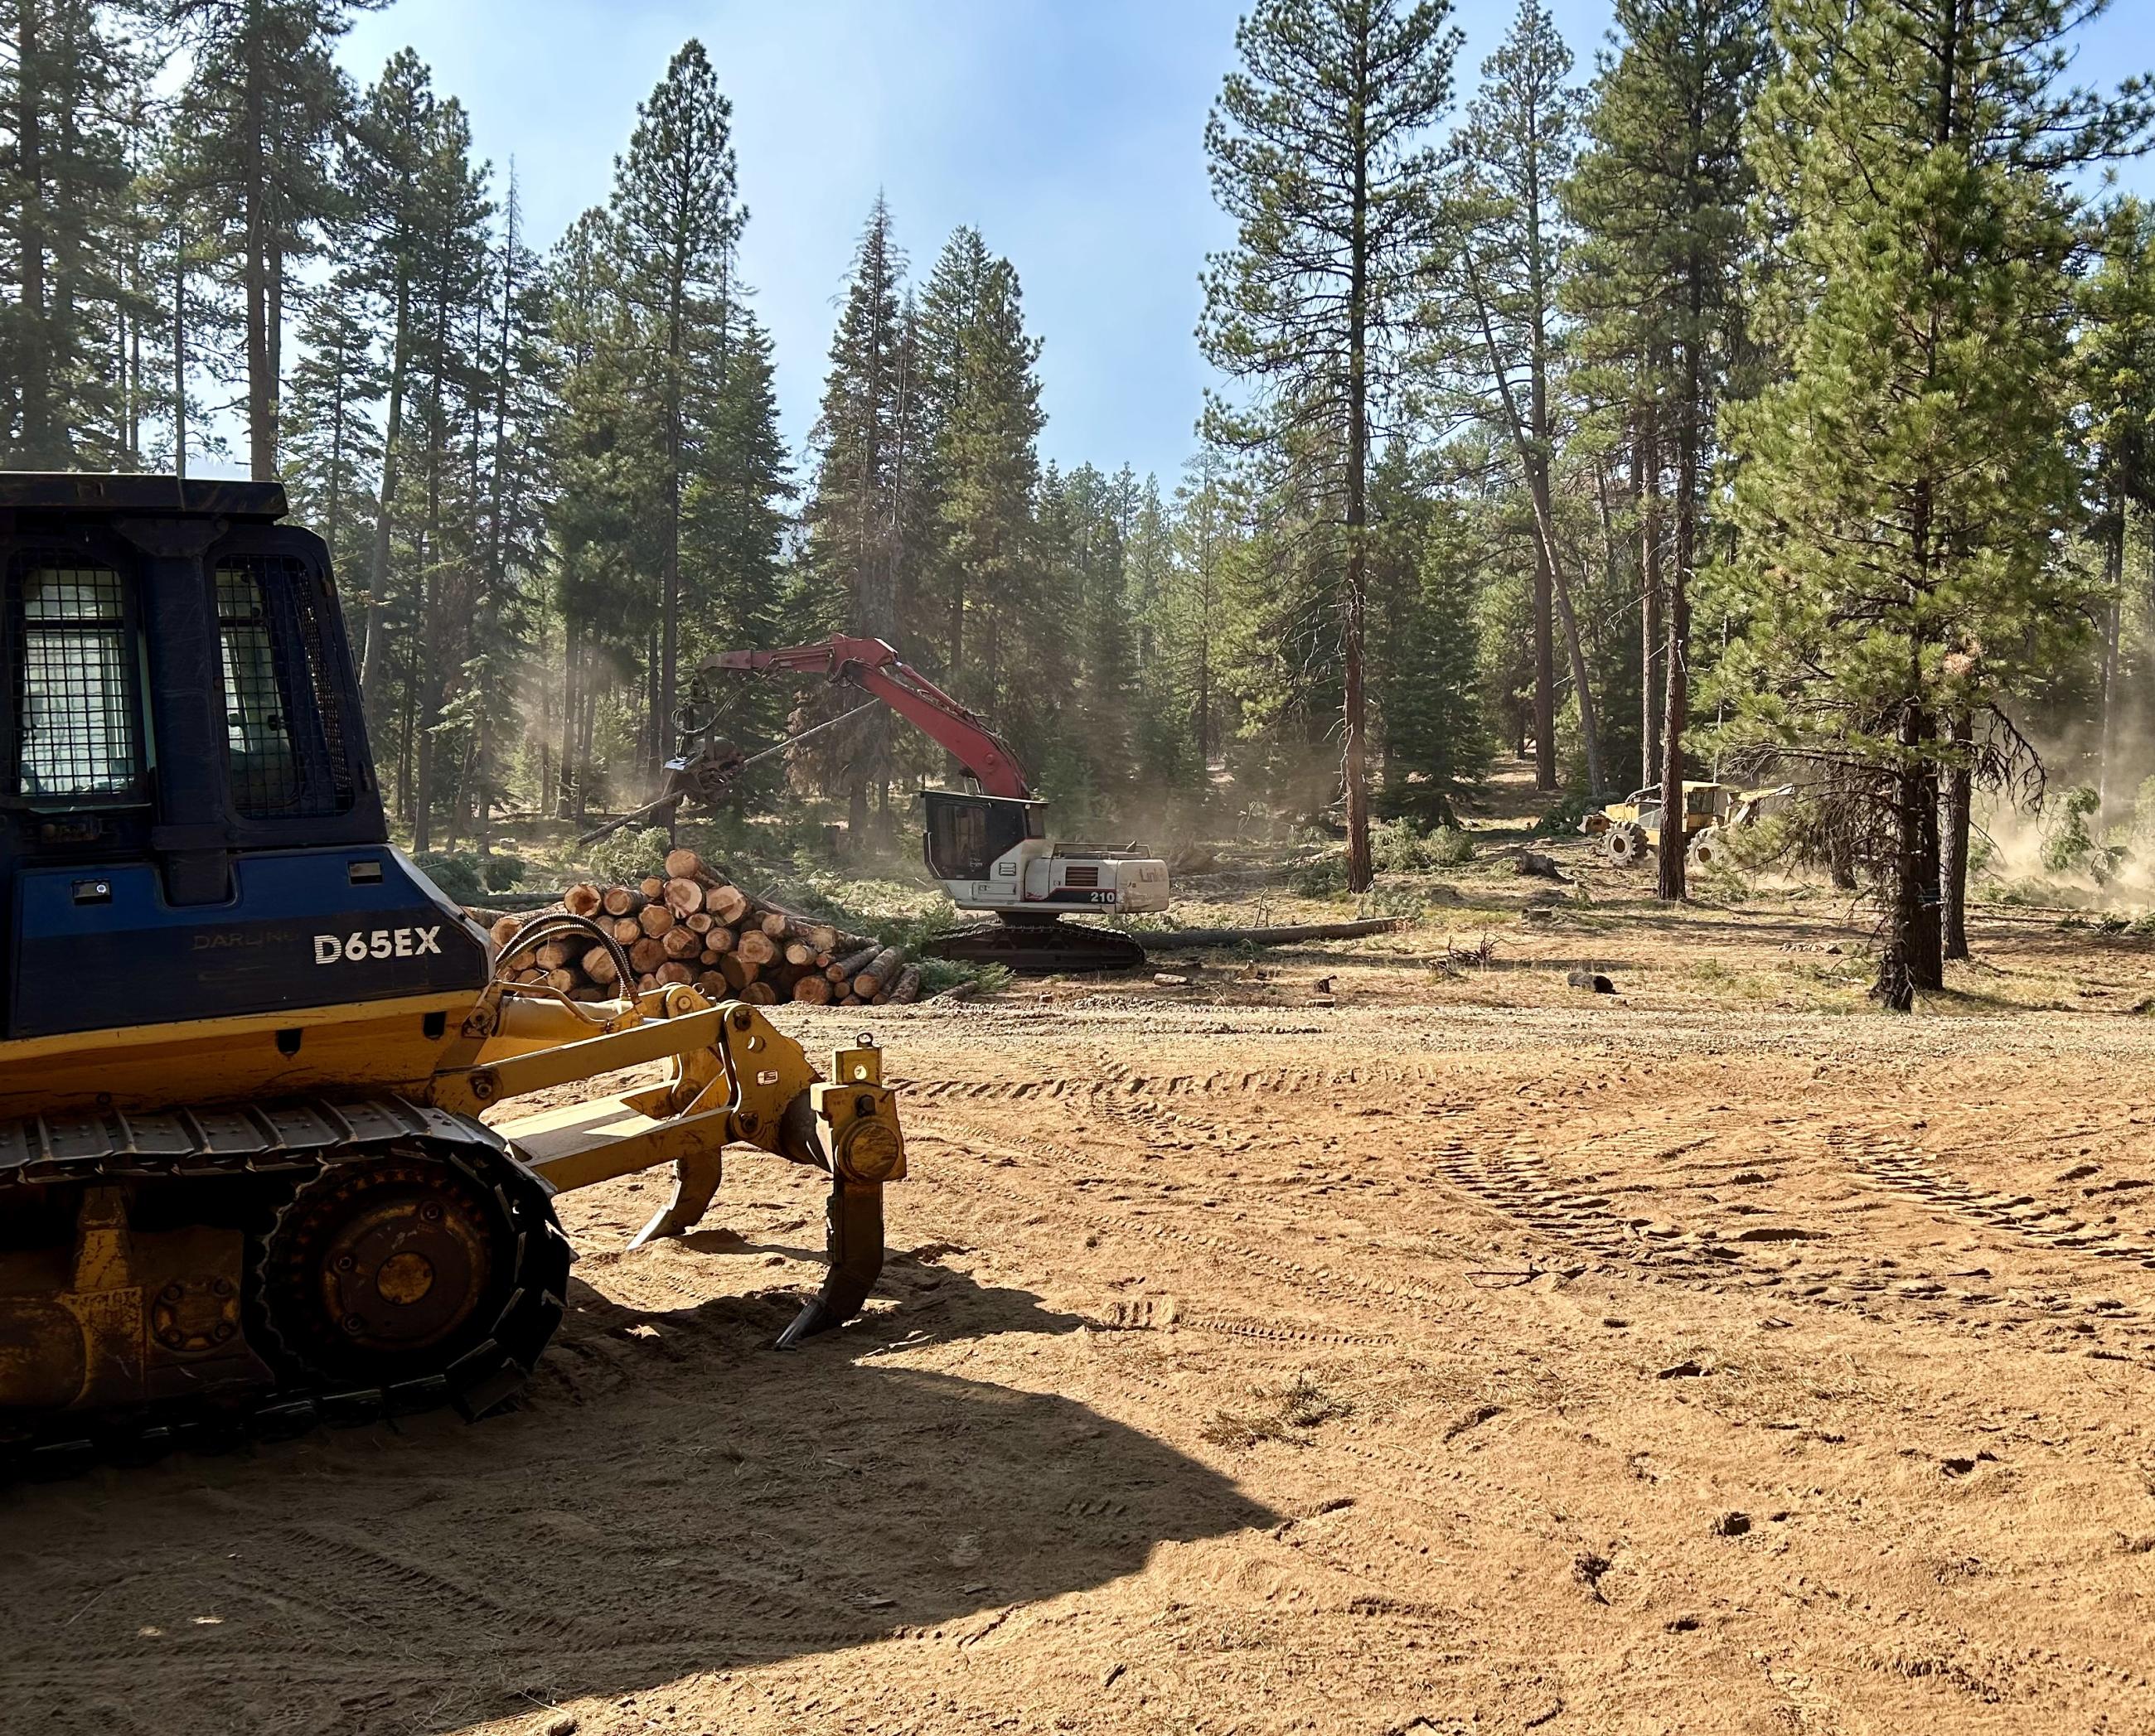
(669, 1500)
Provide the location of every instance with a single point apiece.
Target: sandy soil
(1449, 1351)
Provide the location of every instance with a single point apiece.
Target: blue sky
(1069, 131)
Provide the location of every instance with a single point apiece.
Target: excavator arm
(876, 669)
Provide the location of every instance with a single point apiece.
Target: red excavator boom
(876, 669)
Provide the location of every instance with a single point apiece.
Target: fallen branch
(1189, 940)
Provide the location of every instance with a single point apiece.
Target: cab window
(967, 834)
(78, 724)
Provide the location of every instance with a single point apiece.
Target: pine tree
(1503, 264)
(331, 444)
(395, 135)
(450, 280)
(261, 104)
(677, 222)
(1194, 603)
(604, 506)
(733, 515)
(513, 406)
(1659, 196)
(1089, 590)
(981, 408)
(1439, 740)
(1318, 153)
(856, 510)
(1901, 493)
(66, 187)
(1168, 758)
(2116, 365)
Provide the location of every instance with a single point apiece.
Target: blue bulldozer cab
(190, 826)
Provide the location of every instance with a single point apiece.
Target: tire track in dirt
(1910, 1172)
(1902, 1170)
(1488, 1158)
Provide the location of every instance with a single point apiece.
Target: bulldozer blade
(695, 1180)
(853, 1235)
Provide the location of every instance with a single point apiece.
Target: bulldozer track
(285, 1147)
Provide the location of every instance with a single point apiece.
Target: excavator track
(325, 1193)
(1037, 949)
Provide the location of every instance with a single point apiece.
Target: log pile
(692, 925)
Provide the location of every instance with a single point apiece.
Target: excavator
(257, 1165)
(988, 845)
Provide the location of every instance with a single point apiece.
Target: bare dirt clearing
(1467, 1354)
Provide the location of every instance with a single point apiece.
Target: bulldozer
(255, 1171)
(1630, 830)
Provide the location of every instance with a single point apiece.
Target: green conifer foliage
(1659, 196)
(256, 121)
(1901, 493)
(1321, 155)
(678, 220)
(68, 76)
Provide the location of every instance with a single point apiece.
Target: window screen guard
(78, 731)
(284, 731)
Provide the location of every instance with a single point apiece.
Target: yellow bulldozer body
(254, 1169)
(383, 1045)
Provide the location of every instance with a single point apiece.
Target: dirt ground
(1377, 1338)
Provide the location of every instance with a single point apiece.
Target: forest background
(1765, 392)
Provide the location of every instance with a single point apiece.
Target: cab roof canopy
(140, 497)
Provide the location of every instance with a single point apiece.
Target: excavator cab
(969, 834)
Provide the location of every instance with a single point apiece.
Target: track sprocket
(408, 1265)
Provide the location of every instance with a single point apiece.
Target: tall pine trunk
(180, 348)
(1670, 864)
(37, 432)
(428, 652)
(1647, 487)
(375, 658)
(565, 804)
(2113, 573)
(1960, 795)
(1353, 709)
(1926, 962)
(254, 267)
(1582, 682)
(1896, 974)
(1544, 670)
(669, 597)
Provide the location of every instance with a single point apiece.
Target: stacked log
(692, 925)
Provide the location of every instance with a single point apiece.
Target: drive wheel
(1625, 843)
(388, 1269)
(1705, 847)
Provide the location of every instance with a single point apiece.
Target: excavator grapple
(256, 1167)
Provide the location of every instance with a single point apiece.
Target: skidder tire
(1625, 844)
